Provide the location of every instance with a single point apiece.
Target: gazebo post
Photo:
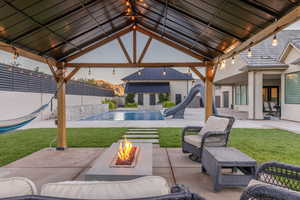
(61, 109)
(209, 92)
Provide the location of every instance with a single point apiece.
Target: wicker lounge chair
(215, 133)
(268, 192)
(276, 181)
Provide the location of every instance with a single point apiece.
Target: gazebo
(57, 32)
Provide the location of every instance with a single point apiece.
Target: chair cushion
(210, 141)
(16, 186)
(147, 186)
(214, 124)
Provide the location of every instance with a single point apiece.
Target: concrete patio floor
(48, 165)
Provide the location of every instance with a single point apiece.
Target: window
(292, 88)
(241, 95)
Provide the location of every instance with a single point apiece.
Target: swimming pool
(127, 115)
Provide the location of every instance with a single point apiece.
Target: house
(264, 83)
(148, 83)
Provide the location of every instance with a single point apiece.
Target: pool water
(127, 115)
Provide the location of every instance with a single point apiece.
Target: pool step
(142, 129)
(141, 136)
(141, 132)
(143, 140)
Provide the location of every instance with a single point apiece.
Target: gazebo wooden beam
(198, 73)
(209, 92)
(169, 42)
(277, 26)
(72, 73)
(130, 65)
(145, 50)
(134, 48)
(124, 50)
(27, 54)
(99, 44)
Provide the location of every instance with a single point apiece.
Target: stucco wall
(17, 104)
(219, 92)
(290, 111)
(179, 87)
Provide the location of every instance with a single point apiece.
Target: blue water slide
(178, 111)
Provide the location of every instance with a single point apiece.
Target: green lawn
(21, 143)
(261, 144)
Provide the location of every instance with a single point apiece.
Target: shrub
(129, 98)
(168, 104)
(131, 105)
(111, 103)
(162, 97)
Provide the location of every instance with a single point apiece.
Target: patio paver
(202, 184)
(160, 158)
(53, 166)
(70, 158)
(178, 159)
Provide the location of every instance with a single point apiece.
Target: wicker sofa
(147, 188)
(214, 133)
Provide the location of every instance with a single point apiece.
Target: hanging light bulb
(232, 60)
(249, 54)
(189, 71)
(274, 41)
(134, 27)
(223, 65)
(164, 72)
(139, 73)
(90, 71)
(114, 71)
(127, 3)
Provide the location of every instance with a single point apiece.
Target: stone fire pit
(102, 168)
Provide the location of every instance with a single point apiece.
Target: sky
(112, 53)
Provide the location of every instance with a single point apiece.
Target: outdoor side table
(228, 167)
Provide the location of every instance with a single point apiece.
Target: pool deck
(48, 165)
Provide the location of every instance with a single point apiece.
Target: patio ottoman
(216, 160)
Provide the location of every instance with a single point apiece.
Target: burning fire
(125, 150)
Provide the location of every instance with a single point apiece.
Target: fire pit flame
(125, 150)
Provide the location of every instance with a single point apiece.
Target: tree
(129, 98)
(162, 97)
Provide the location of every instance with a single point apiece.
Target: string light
(132, 18)
(164, 72)
(232, 60)
(249, 54)
(128, 3)
(189, 71)
(90, 71)
(223, 65)
(114, 71)
(274, 41)
(134, 27)
(139, 73)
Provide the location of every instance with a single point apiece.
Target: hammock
(13, 124)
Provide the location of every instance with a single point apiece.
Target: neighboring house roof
(266, 54)
(140, 87)
(157, 74)
(296, 62)
(296, 42)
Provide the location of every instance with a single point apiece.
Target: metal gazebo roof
(59, 28)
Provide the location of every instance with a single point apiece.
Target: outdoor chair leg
(195, 158)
